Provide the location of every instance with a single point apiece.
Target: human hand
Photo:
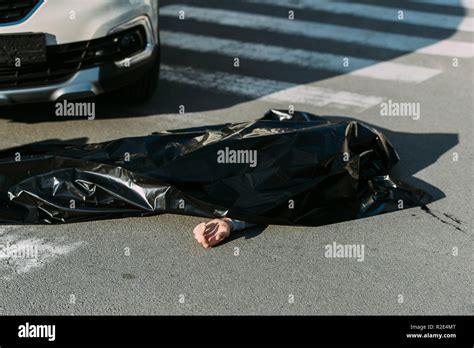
(211, 233)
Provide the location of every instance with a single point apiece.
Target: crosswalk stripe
(397, 72)
(370, 38)
(379, 12)
(449, 48)
(468, 4)
(268, 90)
(307, 59)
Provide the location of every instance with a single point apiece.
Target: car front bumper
(83, 84)
(94, 20)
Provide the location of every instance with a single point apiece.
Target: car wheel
(143, 89)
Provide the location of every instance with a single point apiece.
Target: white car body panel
(66, 21)
(72, 21)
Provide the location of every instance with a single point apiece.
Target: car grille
(63, 61)
(15, 10)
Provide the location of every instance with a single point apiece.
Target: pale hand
(211, 233)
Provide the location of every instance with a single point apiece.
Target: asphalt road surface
(341, 59)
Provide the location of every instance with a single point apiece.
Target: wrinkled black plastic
(310, 171)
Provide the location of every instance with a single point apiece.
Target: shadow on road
(247, 234)
(198, 71)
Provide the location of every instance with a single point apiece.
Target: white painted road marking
(449, 48)
(14, 247)
(268, 90)
(369, 38)
(387, 14)
(468, 4)
(397, 72)
(307, 59)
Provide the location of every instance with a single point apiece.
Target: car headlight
(134, 39)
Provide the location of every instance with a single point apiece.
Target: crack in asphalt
(452, 218)
(430, 212)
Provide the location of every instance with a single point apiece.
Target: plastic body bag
(290, 169)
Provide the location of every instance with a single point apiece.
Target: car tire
(143, 89)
